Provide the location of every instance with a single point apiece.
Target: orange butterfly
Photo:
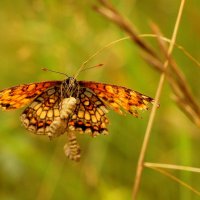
(88, 113)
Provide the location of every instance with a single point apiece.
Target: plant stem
(140, 165)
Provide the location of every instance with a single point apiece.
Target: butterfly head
(70, 87)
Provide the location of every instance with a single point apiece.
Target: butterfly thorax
(70, 88)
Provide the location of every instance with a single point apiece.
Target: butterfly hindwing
(89, 115)
(44, 109)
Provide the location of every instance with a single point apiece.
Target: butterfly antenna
(98, 65)
(49, 70)
(96, 53)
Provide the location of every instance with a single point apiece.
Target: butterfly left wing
(117, 97)
(19, 96)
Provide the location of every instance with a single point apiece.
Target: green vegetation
(61, 35)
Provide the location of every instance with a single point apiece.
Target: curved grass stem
(140, 164)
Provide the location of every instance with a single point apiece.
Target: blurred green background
(61, 35)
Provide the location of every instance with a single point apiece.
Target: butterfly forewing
(117, 97)
(19, 96)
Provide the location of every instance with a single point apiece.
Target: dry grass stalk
(140, 165)
(108, 11)
(182, 93)
(159, 168)
(167, 40)
(174, 167)
(175, 77)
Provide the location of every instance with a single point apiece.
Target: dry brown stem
(162, 169)
(108, 11)
(181, 90)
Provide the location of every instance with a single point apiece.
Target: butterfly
(71, 106)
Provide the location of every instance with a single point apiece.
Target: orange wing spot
(71, 123)
(31, 87)
(110, 89)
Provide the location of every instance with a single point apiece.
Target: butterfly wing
(44, 110)
(19, 96)
(117, 97)
(89, 115)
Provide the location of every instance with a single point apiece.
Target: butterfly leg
(72, 148)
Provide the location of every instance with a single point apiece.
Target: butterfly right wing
(19, 96)
(117, 97)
